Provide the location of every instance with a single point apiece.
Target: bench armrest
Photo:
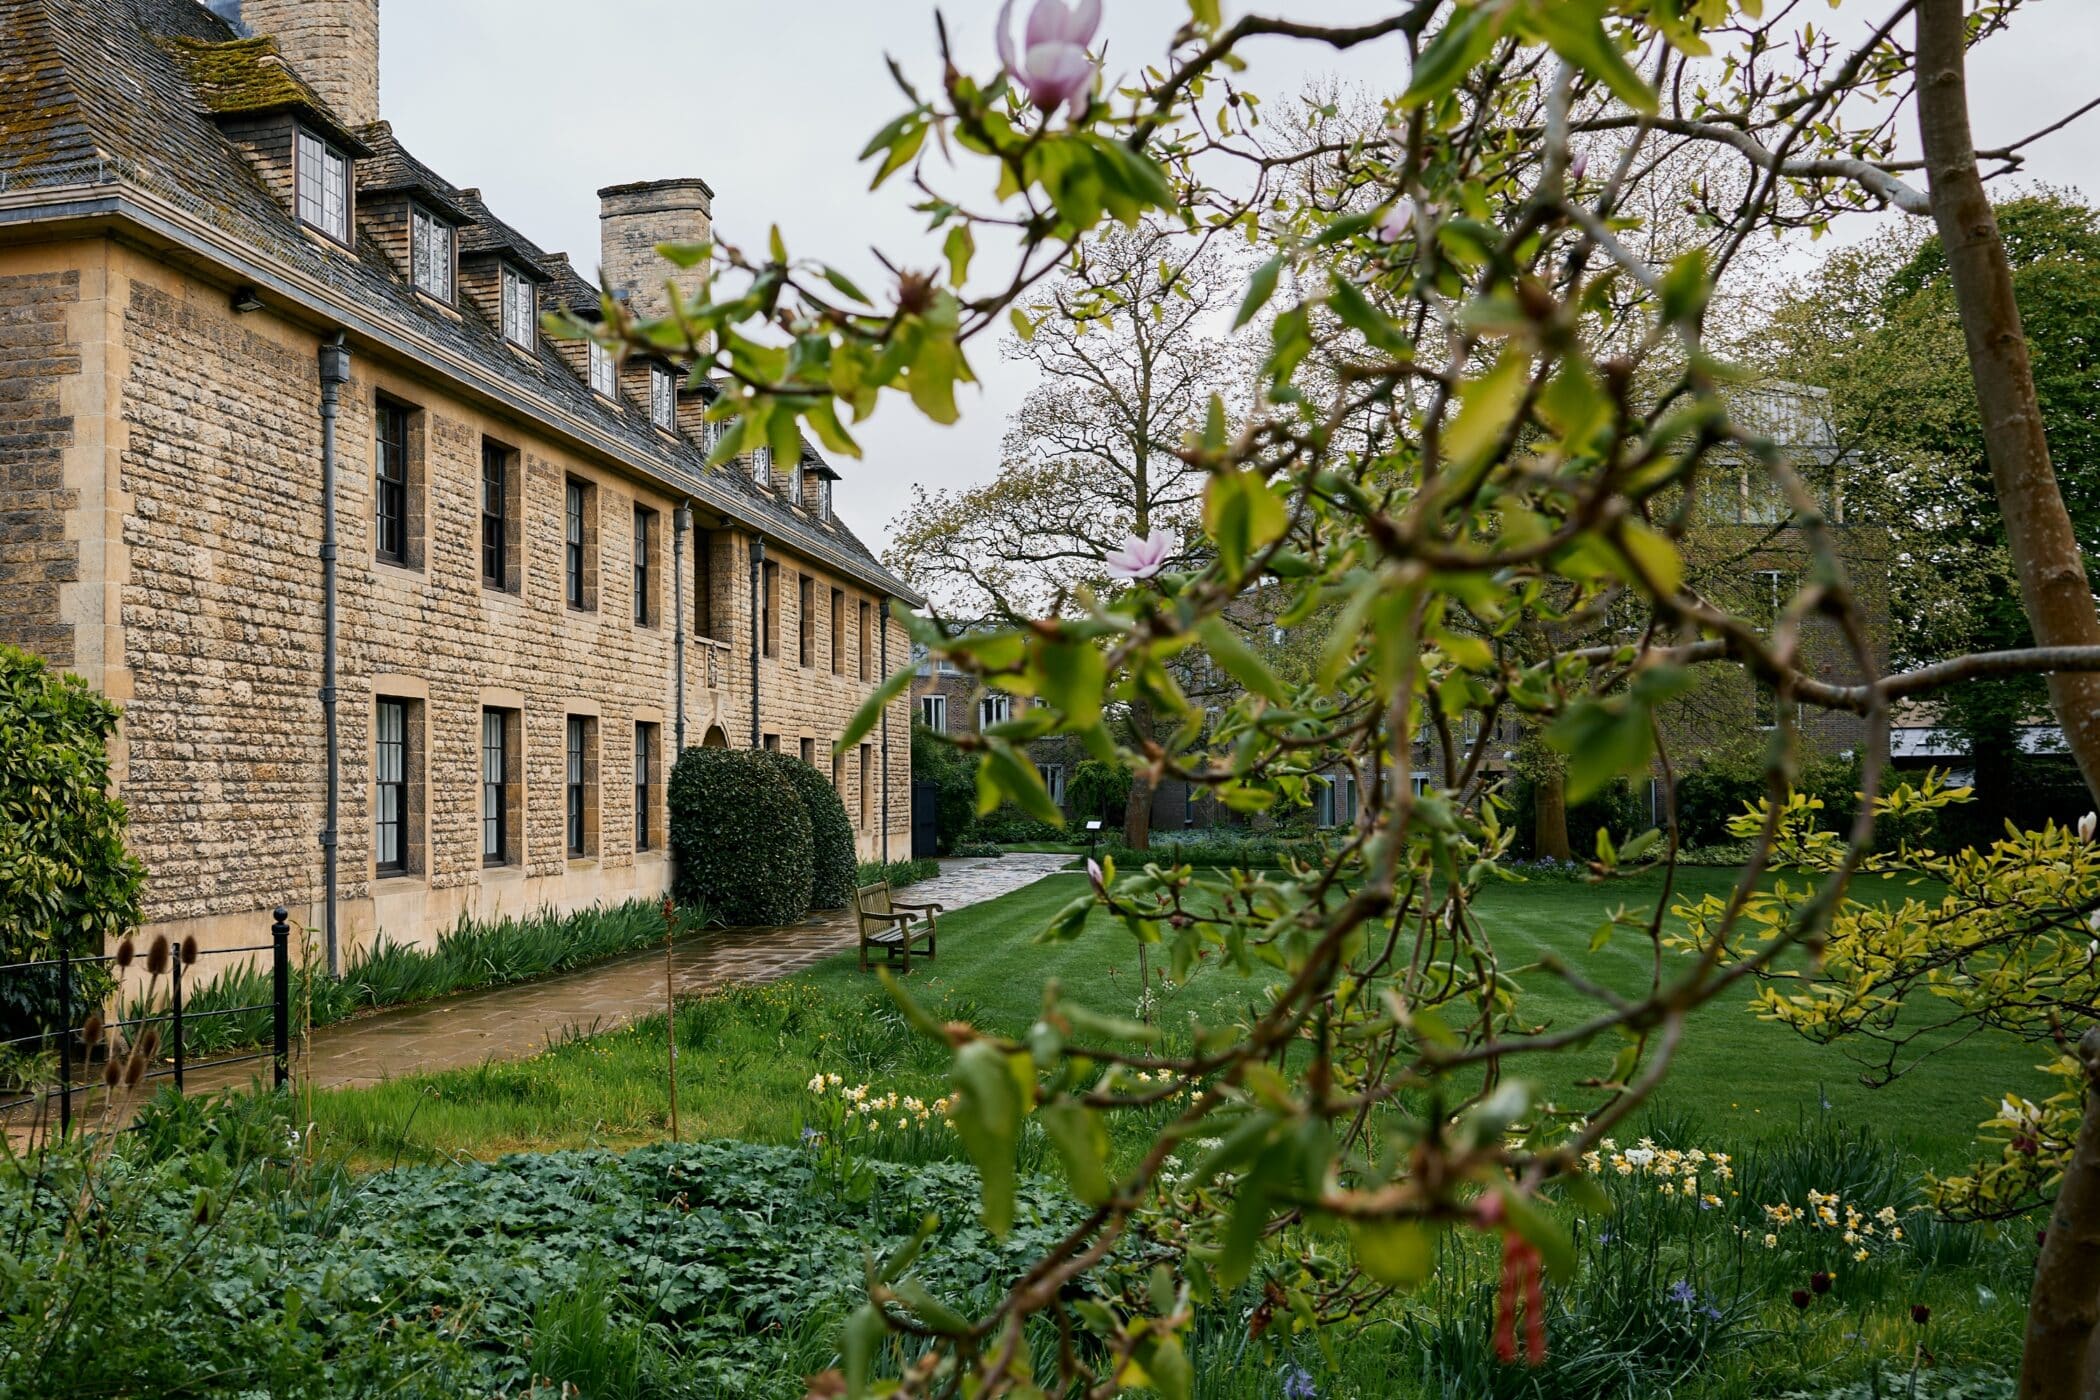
(936, 908)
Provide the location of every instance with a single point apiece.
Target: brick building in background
(539, 586)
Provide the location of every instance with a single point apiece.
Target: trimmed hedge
(740, 837)
(833, 856)
(898, 872)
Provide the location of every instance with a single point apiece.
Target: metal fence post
(175, 1021)
(281, 934)
(65, 1041)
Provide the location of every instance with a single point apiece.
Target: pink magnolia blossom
(1093, 873)
(1054, 67)
(1578, 167)
(1397, 222)
(1142, 556)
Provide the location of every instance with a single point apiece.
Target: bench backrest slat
(873, 899)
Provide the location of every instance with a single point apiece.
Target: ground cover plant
(1481, 471)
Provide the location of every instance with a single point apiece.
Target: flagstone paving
(511, 1023)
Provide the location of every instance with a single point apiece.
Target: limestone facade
(161, 528)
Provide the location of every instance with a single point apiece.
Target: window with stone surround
(324, 186)
(521, 308)
(809, 752)
(772, 744)
(867, 786)
(994, 709)
(838, 774)
(704, 624)
(580, 786)
(646, 610)
(933, 712)
(605, 371)
(762, 465)
(397, 797)
(646, 783)
(579, 547)
(430, 253)
(806, 620)
(838, 631)
(397, 484)
(769, 608)
(867, 639)
(502, 787)
(502, 485)
(663, 398)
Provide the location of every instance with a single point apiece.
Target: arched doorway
(715, 739)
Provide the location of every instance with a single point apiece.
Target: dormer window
(823, 498)
(663, 398)
(801, 481)
(430, 253)
(520, 308)
(605, 371)
(324, 187)
(762, 465)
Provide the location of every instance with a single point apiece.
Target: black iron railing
(74, 1012)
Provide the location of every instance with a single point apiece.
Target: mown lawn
(745, 1059)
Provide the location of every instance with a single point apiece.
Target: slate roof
(106, 91)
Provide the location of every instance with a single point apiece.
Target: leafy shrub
(1220, 850)
(1098, 789)
(953, 774)
(1009, 826)
(898, 872)
(983, 849)
(1616, 807)
(1715, 792)
(833, 855)
(740, 838)
(468, 956)
(65, 878)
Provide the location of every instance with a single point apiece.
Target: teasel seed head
(189, 951)
(126, 951)
(157, 956)
(92, 1030)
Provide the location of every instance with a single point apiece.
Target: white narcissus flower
(1142, 556)
(1053, 66)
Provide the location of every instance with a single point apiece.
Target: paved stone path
(511, 1023)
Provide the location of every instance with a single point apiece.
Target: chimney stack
(332, 44)
(633, 220)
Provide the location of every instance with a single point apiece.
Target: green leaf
(1574, 29)
(930, 1310)
(1071, 676)
(1655, 557)
(865, 1331)
(1545, 1234)
(870, 712)
(1023, 325)
(1685, 287)
(1260, 288)
(1003, 774)
(845, 285)
(1460, 44)
(1082, 1145)
(1486, 408)
(960, 247)
(1238, 660)
(1396, 1253)
(1243, 516)
(989, 1123)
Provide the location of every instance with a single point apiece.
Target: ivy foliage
(741, 838)
(66, 880)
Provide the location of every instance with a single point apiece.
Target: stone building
(232, 305)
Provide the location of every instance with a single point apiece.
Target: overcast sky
(539, 103)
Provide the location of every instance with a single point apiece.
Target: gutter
(758, 621)
(150, 213)
(335, 372)
(885, 735)
(681, 521)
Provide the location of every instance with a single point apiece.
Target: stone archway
(715, 739)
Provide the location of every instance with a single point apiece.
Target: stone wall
(37, 560)
(221, 641)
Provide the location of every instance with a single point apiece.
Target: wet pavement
(512, 1023)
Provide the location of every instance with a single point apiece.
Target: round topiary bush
(740, 838)
(835, 863)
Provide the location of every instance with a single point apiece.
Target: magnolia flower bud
(1053, 66)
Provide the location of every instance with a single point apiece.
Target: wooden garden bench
(892, 927)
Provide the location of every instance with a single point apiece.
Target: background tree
(1128, 359)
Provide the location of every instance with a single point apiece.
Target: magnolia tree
(1484, 416)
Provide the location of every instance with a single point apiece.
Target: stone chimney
(332, 44)
(633, 220)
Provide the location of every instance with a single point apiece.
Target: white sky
(539, 103)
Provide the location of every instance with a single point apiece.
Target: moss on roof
(240, 75)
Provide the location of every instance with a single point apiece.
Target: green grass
(745, 1058)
